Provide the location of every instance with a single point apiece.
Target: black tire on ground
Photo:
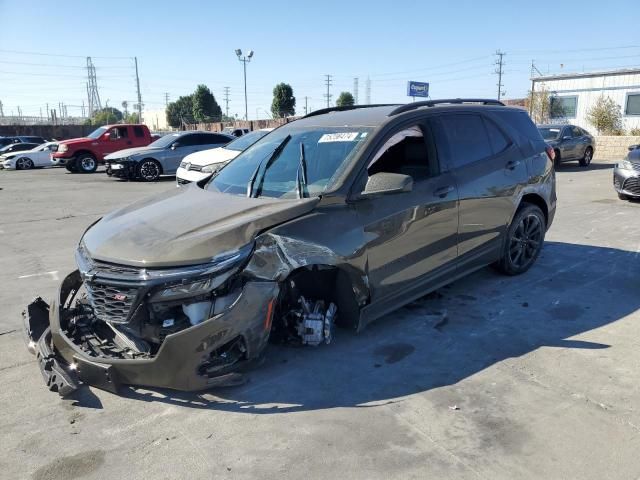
(523, 241)
(24, 163)
(588, 156)
(149, 170)
(86, 163)
(71, 165)
(622, 196)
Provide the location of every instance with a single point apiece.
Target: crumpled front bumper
(176, 365)
(121, 169)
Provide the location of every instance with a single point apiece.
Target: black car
(569, 142)
(334, 219)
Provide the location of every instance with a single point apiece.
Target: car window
(576, 132)
(119, 132)
(467, 138)
(138, 131)
(217, 139)
(189, 140)
(498, 140)
(405, 152)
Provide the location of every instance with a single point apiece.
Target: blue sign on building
(417, 89)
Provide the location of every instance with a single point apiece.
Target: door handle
(443, 192)
(512, 164)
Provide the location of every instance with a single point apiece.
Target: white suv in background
(200, 165)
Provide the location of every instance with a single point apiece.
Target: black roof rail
(322, 111)
(432, 103)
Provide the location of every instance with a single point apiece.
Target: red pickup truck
(84, 154)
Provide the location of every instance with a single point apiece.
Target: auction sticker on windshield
(338, 137)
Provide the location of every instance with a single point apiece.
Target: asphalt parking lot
(524, 377)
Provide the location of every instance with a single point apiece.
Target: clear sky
(179, 44)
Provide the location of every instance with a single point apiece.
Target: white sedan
(39, 156)
(200, 165)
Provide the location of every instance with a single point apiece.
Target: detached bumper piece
(60, 376)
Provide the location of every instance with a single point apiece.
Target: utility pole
(245, 59)
(306, 108)
(356, 80)
(499, 69)
(1, 110)
(81, 107)
(368, 91)
(139, 105)
(328, 94)
(166, 99)
(226, 101)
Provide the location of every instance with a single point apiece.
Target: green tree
(605, 115)
(205, 107)
(539, 105)
(345, 99)
(131, 118)
(284, 102)
(106, 116)
(180, 111)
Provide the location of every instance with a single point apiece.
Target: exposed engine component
(314, 323)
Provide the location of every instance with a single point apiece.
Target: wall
(613, 148)
(251, 124)
(588, 89)
(58, 132)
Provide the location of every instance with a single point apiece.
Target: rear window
(138, 132)
(523, 130)
(468, 140)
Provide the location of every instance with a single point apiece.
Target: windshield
(327, 150)
(549, 133)
(246, 141)
(97, 132)
(165, 141)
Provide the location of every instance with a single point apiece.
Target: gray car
(335, 219)
(569, 142)
(163, 156)
(626, 175)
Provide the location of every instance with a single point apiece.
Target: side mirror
(107, 136)
(385, 183)
(175, 145)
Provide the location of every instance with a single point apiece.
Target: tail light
(551, 153)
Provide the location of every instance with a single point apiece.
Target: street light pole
(245, 59)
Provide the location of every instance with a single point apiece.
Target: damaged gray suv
(332, 220)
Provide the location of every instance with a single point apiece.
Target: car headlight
(63, 148)
(625, 165)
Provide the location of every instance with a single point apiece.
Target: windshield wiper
(301, 176)
(276, 153)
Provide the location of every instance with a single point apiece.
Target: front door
(411, 234)
(118, 140)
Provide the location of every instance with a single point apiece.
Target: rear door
(138, 136)
(410, 235)
(569, 149)
(488, 169)
(183, 146)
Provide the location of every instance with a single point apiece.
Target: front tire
(86, 163)
(524, 240)
(149, 170)
(588, 156)
(24, 163)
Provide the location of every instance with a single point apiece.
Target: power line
(499, 66)
(22, 52)
(328, 94)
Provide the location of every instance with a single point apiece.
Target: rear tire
(24, 163)
(523, 241)
(86, 163)
(149, 170)
(588, 156)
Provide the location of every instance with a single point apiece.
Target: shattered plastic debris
(454, 407)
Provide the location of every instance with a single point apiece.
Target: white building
(574, 94)
(156, 119)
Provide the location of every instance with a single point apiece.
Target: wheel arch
(538, 201)
(85, 151)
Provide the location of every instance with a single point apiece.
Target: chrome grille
(632, 185)
(102, 267)
(635, 165)
(111, 303)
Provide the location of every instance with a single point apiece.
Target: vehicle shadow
(574, 167)
(489, 318)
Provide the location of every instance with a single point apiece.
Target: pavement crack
(8, 332)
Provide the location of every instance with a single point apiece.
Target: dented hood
(186, 226)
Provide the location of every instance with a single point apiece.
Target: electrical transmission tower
(166, 99)
(1, 110)
(139, 104)
(499, 70)
(368, 91)
(226, 100)
(328, 94)
(355, 90)
(93, 96)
